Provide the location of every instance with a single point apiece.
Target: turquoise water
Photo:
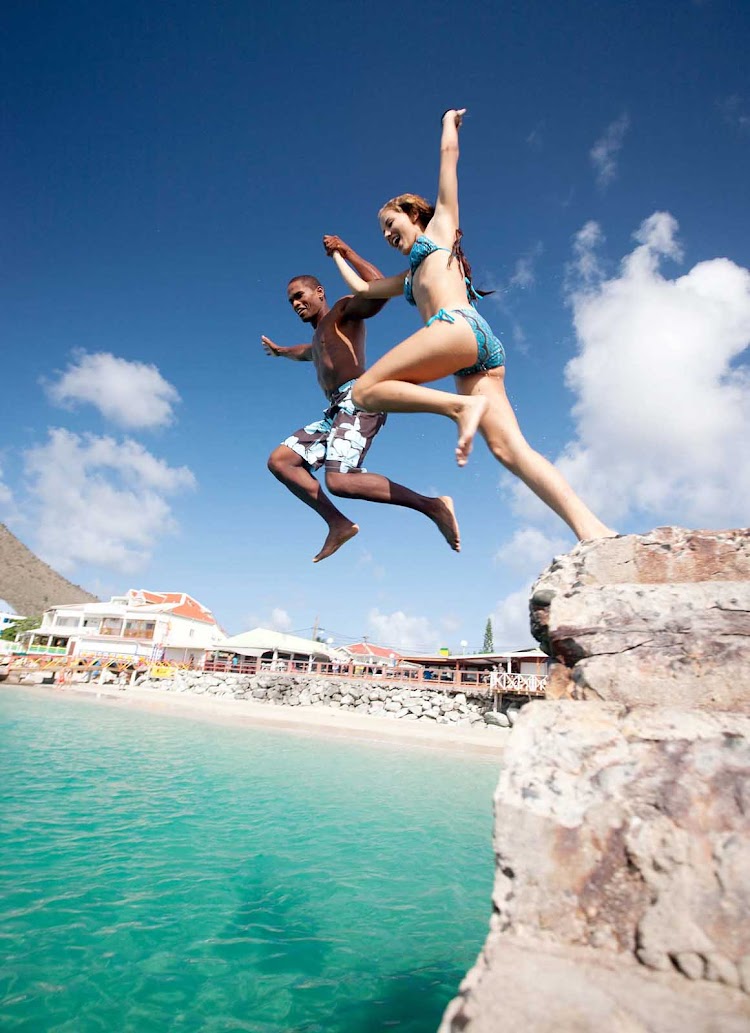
(162, 873)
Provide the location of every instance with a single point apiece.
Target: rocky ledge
(622, 832)
(655, 618)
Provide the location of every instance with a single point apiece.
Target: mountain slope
(28, 583)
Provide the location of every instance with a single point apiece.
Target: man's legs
(352, 432)
(373, 487)
(293, 471)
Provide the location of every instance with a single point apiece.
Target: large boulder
(622, 834)
(522, 985)
(656, 618)
(623, 875)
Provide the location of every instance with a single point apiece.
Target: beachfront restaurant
(512, 672)
(368, 653)
(262, 649)
(369, 660)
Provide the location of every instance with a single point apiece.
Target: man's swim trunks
(342, 438)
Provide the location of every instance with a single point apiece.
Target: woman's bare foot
(597, 530)
(445, 518)
(468, 419)
(337, 536)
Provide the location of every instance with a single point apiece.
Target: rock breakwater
(378, 698)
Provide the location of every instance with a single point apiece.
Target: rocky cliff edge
(622, 828)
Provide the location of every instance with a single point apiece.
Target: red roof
(178, 603)
(367, 650)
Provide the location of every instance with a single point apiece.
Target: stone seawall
(376, 697)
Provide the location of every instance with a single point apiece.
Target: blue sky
(170, 167)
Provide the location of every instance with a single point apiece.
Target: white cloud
(527, 554)
(450, 624)
(586, 267)
(510, 620)
(9, 511)
(99, 501)
(403, 632)
(277, 619)
(6, 496)
(367, 564)
(535, 139)
(604, 152)
(530, 550)
(280, 620)
(736, 112)
(524, 275)
(133, 395)
(662, 406)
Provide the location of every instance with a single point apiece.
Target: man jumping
(341, 439)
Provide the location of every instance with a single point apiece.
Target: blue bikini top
(420, 249)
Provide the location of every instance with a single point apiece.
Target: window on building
(140, 629)
(111, 626)
(66, 622)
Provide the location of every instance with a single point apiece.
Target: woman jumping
(455, 339)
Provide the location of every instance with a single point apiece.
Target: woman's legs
(500, 430)
(394, 383)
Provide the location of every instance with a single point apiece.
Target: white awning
(263, 640)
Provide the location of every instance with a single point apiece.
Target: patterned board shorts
(342, 438)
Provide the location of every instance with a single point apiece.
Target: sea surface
(163, 873)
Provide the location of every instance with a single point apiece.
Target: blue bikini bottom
(490, 352)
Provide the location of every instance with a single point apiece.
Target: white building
(6, 620)
(273, 648)
(148, 625)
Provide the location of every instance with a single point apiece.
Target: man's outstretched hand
(269, 347)
(333, 243)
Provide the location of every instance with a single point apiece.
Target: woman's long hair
(412, 204)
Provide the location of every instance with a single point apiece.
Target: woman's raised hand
(455, 115)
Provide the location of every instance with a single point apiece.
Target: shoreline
(322, 721)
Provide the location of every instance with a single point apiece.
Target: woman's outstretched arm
(447, 199)
(387, 287)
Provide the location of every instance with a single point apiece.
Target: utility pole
(315, 629)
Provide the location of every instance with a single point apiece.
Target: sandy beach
(317, 720)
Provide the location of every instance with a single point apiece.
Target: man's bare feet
(468, 419)
(445, 518)
(337, 536)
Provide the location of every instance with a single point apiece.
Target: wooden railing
(448, 679)
(525, 684)
(134, 669)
